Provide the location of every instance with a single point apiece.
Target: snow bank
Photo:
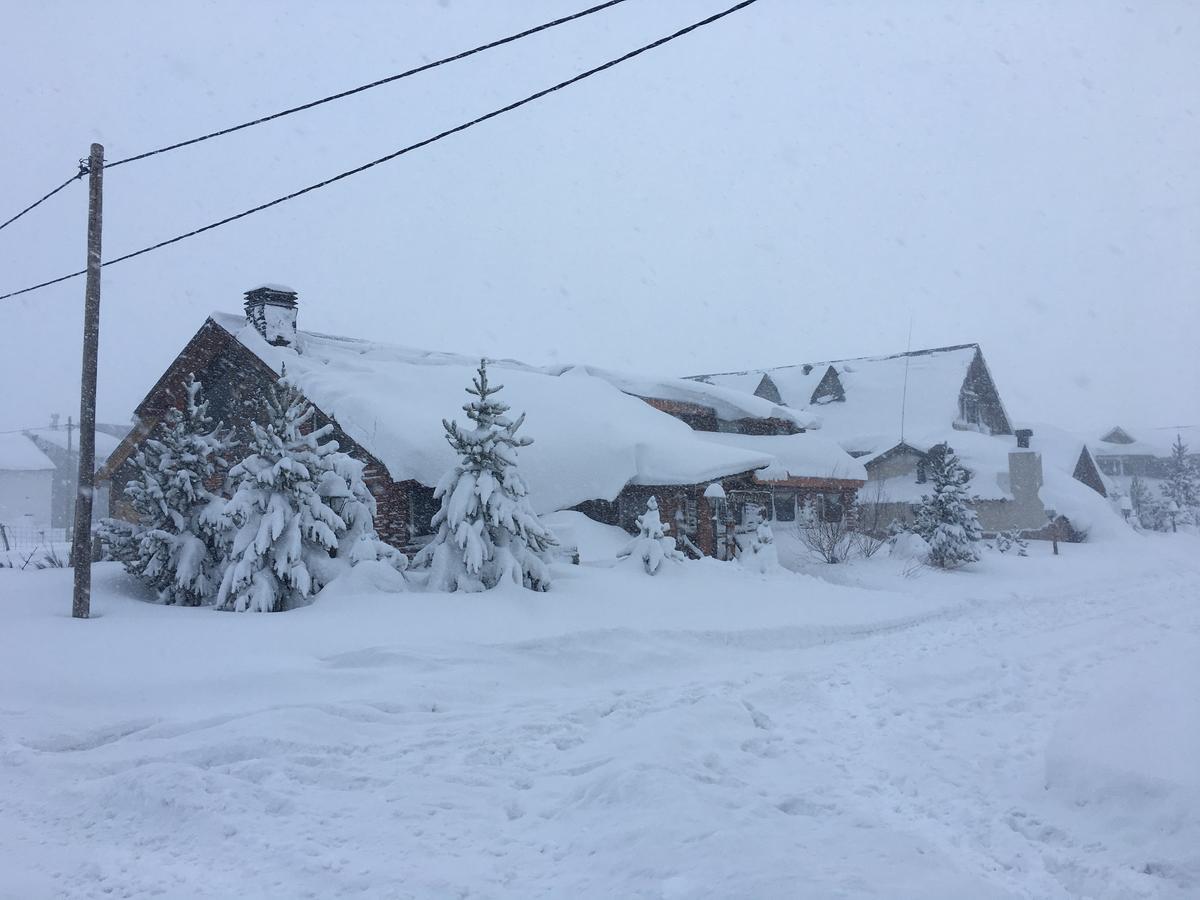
(1130, 756)
(595, 541)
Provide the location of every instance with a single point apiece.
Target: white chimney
(271, 309)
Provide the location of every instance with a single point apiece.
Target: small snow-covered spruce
(1007, 540)
(945, 518)
(1182, 483)
(175, 546)
(651, 545)
(298, 503)
(487, 530)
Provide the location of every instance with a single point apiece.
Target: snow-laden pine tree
(1182, 482)
(487, 530)
(175, 546)
(945, 518)
(298, 503)
(651, 545)
(1150, 512)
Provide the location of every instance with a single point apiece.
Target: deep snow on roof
(869, 419)
(807, 455)
(590, 438)
(1149, 441)
(729, 403)
(105, 443)
(19, 454)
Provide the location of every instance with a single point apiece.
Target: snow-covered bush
(945, 518)
(908, 545)
(651, 546)
(487, 530)
(298, 503)
(760, 553)
(830, 536)
(871, 532)
(175, 546)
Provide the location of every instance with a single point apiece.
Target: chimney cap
(279, 290)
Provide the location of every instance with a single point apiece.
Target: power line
(45, 197)
(338, 96)
(374, 84)
(401, 152)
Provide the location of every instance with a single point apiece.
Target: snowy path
(907, 759)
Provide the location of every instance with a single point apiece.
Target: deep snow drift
(1026, 727)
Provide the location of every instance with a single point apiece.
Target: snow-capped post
(944, 518)
(487, 530)
(715, 495)
(651, 545)
(81, 543)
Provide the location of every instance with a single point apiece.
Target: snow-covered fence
(22, 546)
(17, 537)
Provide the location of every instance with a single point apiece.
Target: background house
(60, 444)
(26, 483)
(1122, 452)
(890, 411)
(604, 441)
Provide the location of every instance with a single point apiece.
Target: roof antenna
(904, 392)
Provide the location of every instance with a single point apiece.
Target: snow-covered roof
(1060, 448)
(1148, 441)
(807, 455)
(105, 443)
(19, 454)
(868, 420)
(728, 402)
(590, 437)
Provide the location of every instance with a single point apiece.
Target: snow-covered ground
(1025, 728)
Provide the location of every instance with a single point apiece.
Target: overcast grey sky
(793, 183)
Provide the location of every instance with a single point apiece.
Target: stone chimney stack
(1025, 478)
(271, 309)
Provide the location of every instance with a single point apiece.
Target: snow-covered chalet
(603, 441)
(889, 411)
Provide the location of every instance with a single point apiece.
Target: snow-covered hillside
(1025, 728)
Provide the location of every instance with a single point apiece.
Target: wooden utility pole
(81, 545)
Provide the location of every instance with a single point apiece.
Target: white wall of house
(25, 497)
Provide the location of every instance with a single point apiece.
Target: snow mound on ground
(594, 540)
(909, 546)
(1130, 757)
(369, 576)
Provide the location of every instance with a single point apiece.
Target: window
(832, 508)
(686, 514)
(421, 509)
(784, 507)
